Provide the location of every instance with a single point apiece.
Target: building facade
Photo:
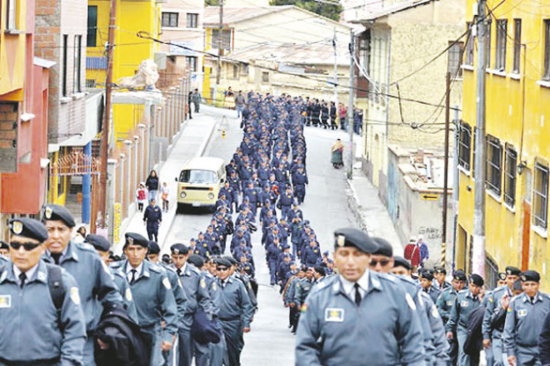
(516, 141)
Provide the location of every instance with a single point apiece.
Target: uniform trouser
(217, 352)
(453, 351)
(185, 347)
(158, 356)
(202, 353)
(284, 211)
(300, 192)
(496, 348)
(89, 351)
(463, 358)
(294, 314)
(153, 232)
(233, 332)
(526, 356)
(273, 271)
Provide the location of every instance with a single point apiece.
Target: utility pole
(446, 170)
(335, 71)
(478, 249)
(350, 106)
(220, 45)
(455, 184)
(107, 118)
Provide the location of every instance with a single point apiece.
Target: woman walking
(152, 184)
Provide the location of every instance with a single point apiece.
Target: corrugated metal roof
(376, 12)
(233, 15)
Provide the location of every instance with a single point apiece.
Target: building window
(226, 39)
(170, 20)
(469, 46)
(494, 164)
(455, 59)
(192, 20)
(265, 77)
(500, 55)
(488, 46)
(235, 71)
(546, 75)
(11, 11)
(511, 162)
(464, 145)
(517, 45)
(64, 65)
(540, 196)
(244, 69)
(474, 152)
(77, 85)
(91, 37)
(192, 63)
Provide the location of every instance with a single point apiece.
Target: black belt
(230, 319)
(49, 362)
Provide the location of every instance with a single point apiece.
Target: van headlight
(182, 194)
(211, 196)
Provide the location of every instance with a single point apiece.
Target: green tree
(322, 8)
(210, 2)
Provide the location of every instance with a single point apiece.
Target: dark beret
(4, 245)
(179, 248)
(166, 259)
(502, 276)
(98, 242)
(154, 248)
(232, 260)
(384, 247)
(135, 239)
(401, 262)
(58, 213)
(427, 274)
(476, 280)
(459, 275)
(530, 276)
(513, 271)
(320, 270)
(440, 270)
(350, 237)
(223, 262)
(303, 268)
(29, 228)
(196, 260)
(517, 285)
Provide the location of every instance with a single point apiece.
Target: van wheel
(179, 209)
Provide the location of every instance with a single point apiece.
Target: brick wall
(8, 137)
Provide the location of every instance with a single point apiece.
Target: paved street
(325, 206)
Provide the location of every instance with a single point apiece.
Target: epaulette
(194, 269)
(325, 285)
(168, 268)
(85, 246)
(116, 265)
(155, 268)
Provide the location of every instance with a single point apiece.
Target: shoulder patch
(166, 283)
(202, 283)
(435, 312)
(75, 296)
(410, 301)
(128, 294)
(214, 286)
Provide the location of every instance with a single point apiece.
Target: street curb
(200, 151)
(353, 204)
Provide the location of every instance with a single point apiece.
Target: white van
(200, 181)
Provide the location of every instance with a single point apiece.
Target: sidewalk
(191, 142)
(364, 202)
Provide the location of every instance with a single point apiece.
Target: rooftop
(233, 15)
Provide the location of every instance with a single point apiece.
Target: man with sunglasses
(34, 331)
(96, 286)
(235, 310)
(358, 317)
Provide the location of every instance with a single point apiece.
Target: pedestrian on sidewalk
(342, 110)
(153, 218)
(189, 100)
(239, 103)
(197, 100)
(141, 196)
(164, 194)
(80, 234)
(152, 184)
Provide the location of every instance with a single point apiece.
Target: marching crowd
(69, 303)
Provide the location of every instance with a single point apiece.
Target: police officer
(4, 249)
(102, 246)
(495, 299)
(153, 218)
(359, 316)
(194, 286)
(95, 284)
(524, 322)
(426, 279)
(439, 274)
(34, 331)
(465, 302)
(153, 296)
(235, 312)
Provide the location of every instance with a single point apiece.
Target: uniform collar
(68, 253)
(368, 283)
(469, 294)
(142, 269)
(36, 273)
(528, 299)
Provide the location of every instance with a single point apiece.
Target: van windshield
(198, 177)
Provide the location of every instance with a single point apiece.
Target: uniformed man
(465, 302)
(524, 321)
(194, 286)
(440, 283)
(235, 312)
(359, 316)
(152, 291)
(495, 301)
(4, 249)
(152, 217)
(96, 287)
(38, 327)
(426, 279)
(102, 246)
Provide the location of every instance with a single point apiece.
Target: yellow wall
(505, 113)
(130, 50)
(12, 53)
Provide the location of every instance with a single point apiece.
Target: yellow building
(517, 149)
(130, 50)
